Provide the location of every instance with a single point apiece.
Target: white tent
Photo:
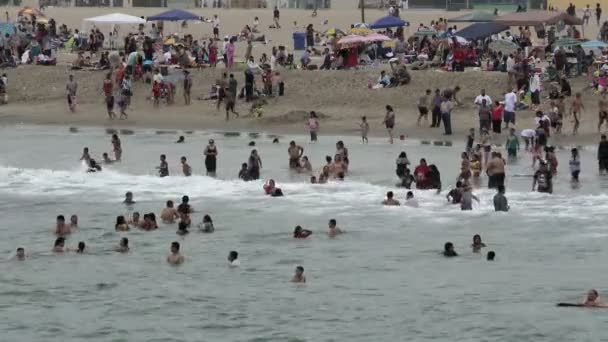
(116, 18)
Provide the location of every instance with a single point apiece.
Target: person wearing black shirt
(602, 155)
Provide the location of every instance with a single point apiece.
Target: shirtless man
(299, 277)
(390, 200)
(20, 255)
(61, 228)
(175, 258)
(123, 247)
(163, 168)
(593, 300)
(186, 169)
(576, 109)
(495, 169)
(85, 155)
(59, 245)
(129, 198)
(295, 153)
(603, 108)
(169, 214)
(333, 228)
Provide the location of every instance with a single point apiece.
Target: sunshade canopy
(481, 30)
(116, 18)
(594, 44)
(388, 21)
(475, 17)
(532, 18)
(174, 15)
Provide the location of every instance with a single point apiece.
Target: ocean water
(384, 280)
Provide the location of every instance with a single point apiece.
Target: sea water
(384, 280)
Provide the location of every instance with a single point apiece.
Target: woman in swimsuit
(389, 122)
(254, 165)
(211, 158)
(117, 147)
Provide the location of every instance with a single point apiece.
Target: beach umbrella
(360, 31)
(566, 42)
(504, 46)
(361, 25)
(424, 33)
(475, 17)
(351, 40)
(376, 37)
(594, 44)
(30, 11)
(334, 32)
(459, 40)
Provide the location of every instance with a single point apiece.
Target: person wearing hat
(187, 86)
(211, 158)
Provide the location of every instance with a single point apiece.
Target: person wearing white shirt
(535, 90)
(479, 99)
(158, 77)
(509, 114)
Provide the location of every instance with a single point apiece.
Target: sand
(37, 94)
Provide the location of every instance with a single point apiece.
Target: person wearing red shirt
(421, 174)
(497, 111)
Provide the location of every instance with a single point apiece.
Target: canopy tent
(388, 22)
(594, 44)
(115, 18)
(481, 30)
(174, 15)
(532, 18)
(475, 17)
(566, 42)
(424, 33)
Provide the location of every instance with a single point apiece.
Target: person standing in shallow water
(295, 152)
(71, 89)
(211, 158)
(253, 166)
(389, 122)
(116, 147)
(163, 168)
(500, 200)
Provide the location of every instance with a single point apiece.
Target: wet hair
(300, 269)
(333, 222)
(81, 246)
(491, 255)
(292, 143)
(162, 156)
(175, 245)
(275, 141)
(233, 255)
(389, 195)
(207, 218)
(124, 242)
(251, 143)
(328, 159)
(448, 246)
(297, 229)
(60, 218)
(20, 249)
(409, 195)
(402, 155)
(121, 220)
(170, 204)
(185, 199)
(129, 193)
(59, 241)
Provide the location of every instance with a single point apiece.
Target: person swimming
(61, 228)
(169, 213)
(121, 224)
(491, 256)
(300, 233)
(390, 201)
(175, 257)
(182, 228)
(298, 276)
(207, 225)
(181, 140)
(93, 166)
(81, 247)
(448, 250)
(593, 300)
(106, 159)
(233, 259)
(129, 198)
(59, 245)
(410, 201)
(20, 254)
(123, 246)
(74, 221)
(477, 245)
(333, 229)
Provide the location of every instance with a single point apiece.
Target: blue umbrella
(174, 15)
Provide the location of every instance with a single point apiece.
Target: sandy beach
(37, 93)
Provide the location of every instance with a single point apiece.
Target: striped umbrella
(334, 32)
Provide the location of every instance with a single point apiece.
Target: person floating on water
(175, 257)
(298, 276)
(390, 201)
(233, 259)
(300, 233)
(163, 168)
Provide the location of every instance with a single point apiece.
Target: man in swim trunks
(333, 228)
(295, 153)
(299, 277)
(175, 258)
(603, 111)
(390, 200)
(169, 214)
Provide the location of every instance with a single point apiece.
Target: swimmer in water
(466, 202)
(333, 229)
(298, 276)
(184, 210)
(93, 166)
(448, 250)
(149, 222)
(74, 222)
(295, 152)
(305, 165)
(269, 187)
(186, 169)
(491, 256)
(175, 258)
(313, 180)
(169, 214)
(62, 229)
(300, 233)
(233, 259)
(134, 221)
(390, 201)
(20, 254)
(500, 200)
(243, 172)
(593, 300)
(477, 245)
(410, 201)
(81, 247)
(116, 147)
(182, 229)
(207, 225)
(121, 224)
(59, 245)
(163, 168)
(455, 195)
(106, 159)
(181, 140)
(275, 140)
(85, 155)
(129, 198)
(123, 246)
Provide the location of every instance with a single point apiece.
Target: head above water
(174, 247)
(332, 223)
(448, 247)
(81, 247)
(491, 255)
(409, 195)
(60, 242)
(299, 270)
(476, 239)
(233, 255)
